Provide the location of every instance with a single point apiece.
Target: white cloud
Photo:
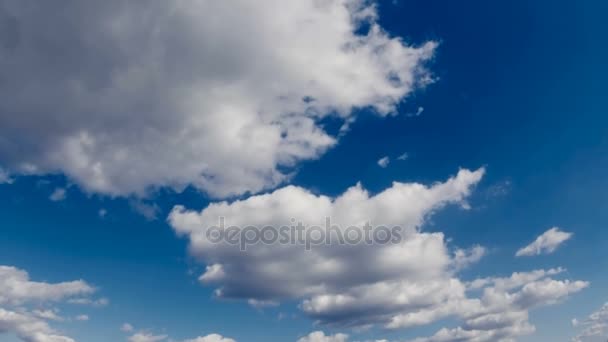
(351, 285)
(396, 286)
(29, 328)
(126, 327)
(50, 315)
(594, 327)
(82, 318)
(211, 338)
(16, 288)
(18, 293)
(319, 336)
(89, 301)
(146, 337)
(546, 243)
(403, 156)
(383, 162)
(123, 98)
(58, 194)
(501, 312)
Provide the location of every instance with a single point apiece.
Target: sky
(127, 130)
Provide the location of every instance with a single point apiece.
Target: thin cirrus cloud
(124, 98)
(593, 327)
(546, 243)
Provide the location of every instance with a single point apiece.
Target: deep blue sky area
(520, 90)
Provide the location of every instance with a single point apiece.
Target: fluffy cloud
(18, 293)
(16, 288)
(28, 328)
(346, 284)
(148, 337)
(595, 327)
(125, 97)
(500, 313)
(211, 338)
(319, 336)
(403, 285)
(546, 243)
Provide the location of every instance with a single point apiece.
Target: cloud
(403, 156)
(410, 284)
(126, 327)
(16, 288)
(211, 338)
(146, 337)
(501, 311)
(58, 194)
(125, 98)
(340, 284)
(89, 301)
(595, 326)
(319, 336)
(546, 243)
(82, 318)
(18, 293)
(28, 328)
(383, 162)
(5, 178)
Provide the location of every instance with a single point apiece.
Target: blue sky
(518, 90)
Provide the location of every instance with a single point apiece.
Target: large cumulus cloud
(125, 96)
(413, 283)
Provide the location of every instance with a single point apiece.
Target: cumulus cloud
(500, 313)
(148, 337)
(124, 97)
(18, 293)
(211, 338)
(546, 243)
(595, 327)
(396, 286)
(319, 336)
(341, 284)
(16, 288)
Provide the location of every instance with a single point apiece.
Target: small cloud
(404, 156)
(546, 243)
(48, 315)
(58, 195)
(499, 189)
(5, 178)
(102, 212)
(88, 301)
(260, 304)
(127, 328)
(574, 322)
(82, 318)
(148, 210)
(418, 112)
(384, 161)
